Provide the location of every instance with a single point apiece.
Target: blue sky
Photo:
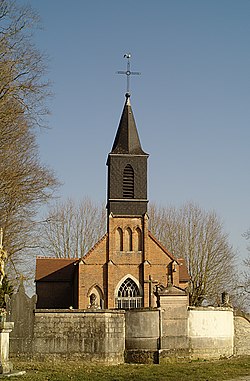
(191, 102)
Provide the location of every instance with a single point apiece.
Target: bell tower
(127, 169)
(127, 212)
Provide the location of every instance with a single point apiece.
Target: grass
(224, 369)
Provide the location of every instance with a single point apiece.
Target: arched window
(128, 295)
(119, 239)
(138, 239)
(128, 182)
(128, 244)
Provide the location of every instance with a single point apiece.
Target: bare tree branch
(191, 233)
(25, 183)
(70, 229)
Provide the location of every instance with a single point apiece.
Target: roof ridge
(93, 247)
(68, 259)
(162, 247)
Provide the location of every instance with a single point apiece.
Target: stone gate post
(5, 329)
(173, 303)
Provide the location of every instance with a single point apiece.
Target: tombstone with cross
(151, 283)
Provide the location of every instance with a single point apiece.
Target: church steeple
(127, 169)
(127, 139)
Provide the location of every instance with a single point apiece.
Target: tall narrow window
(128, 182)
(128, 244)
(128, 295)
(119, 239)
(138, 239)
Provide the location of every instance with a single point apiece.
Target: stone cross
(151, 282)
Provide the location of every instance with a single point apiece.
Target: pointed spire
(127, 139)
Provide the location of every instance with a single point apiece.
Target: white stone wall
(211, 332)
(242, 336)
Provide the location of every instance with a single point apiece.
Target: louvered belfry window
(128, 182)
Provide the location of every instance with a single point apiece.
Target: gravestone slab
(20, 310)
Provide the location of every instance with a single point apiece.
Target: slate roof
(127, 139)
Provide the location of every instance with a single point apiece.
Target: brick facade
(106, 266)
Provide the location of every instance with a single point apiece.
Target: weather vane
(128, 72)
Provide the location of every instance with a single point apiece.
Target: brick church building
(125, 265)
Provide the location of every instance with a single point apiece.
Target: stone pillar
(5, 329)
(173, 303)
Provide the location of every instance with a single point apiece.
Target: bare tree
(25, 185)
(25, 182)
(245, 286)
(22, 66)
(247, 276)
(71, 229)
(191, 233)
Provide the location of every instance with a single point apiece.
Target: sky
(191, 101)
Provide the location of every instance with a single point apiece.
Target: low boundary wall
(150, 335)
(211, 332)
(97, 336)
(242, 336)
(142, 335)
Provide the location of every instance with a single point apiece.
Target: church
(124, 267)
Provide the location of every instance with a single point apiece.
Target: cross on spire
(128, 73)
